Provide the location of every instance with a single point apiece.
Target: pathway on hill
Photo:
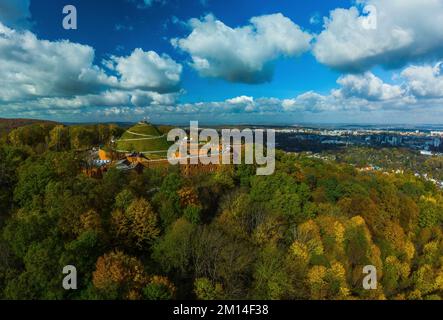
(145, 137)
(142, 139)
(141, 134)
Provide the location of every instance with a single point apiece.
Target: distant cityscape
(297, 139)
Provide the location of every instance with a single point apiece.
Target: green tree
(59, 138)
(159, 288)
(174, 250)
(205, 290)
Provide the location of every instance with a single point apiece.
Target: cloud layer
(42, 75)
(355, 94)
(406, 30)
(244, 54)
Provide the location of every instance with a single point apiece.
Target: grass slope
(144, 138)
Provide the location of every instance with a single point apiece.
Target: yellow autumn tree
(395, 272)
(309, 234)
(90, 221)
(333, 232)
(317, 283)
(137, 225)
(188, 196)
(336, 279)
(119, 273)
(360, 251)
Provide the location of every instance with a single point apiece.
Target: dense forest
(303, 233)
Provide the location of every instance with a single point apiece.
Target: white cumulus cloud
(243, 54)
(55, 76)
(424, 81)
(406, 30)
(30, 67)
(148, 71)
(368, 86)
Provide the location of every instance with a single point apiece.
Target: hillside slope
(144, 138)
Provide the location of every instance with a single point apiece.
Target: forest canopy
(305, 232)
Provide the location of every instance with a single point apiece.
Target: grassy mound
(144, 138)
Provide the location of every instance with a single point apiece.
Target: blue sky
(242, 61)
(152, 28)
